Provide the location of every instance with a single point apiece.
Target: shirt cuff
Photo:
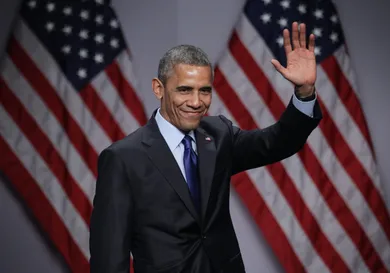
(305, 107)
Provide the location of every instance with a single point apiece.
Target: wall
(208, 24)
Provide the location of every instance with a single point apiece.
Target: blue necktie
(190, 160)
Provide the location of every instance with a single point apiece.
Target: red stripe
(126, 92)
(46, 149)
(101, 113)
(40, 206)
(347, 96)
(308, 158)
(267, 223)
(48, 94)
(286, 186)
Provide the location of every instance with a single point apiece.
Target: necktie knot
(187, 140)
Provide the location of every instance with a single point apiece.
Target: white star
(334, 37)
(302, 9)
(280, 41)
(285, 4)
(32, 4)
(334, 18)
(50, 7)
(83, 53)
(99, 38)
(114, 23)
(67, 11)
(319, 13)
(282, 22)
(99, 19)
(317, 32)
(67, 29)
(266, 17)
(114, 43)
(49, 26)
(266, 2)
(98, 58)
(82, 73)
(317, 50)
(83, 34)
(66, 49)
(84, 14)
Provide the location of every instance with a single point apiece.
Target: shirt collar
(171, 134)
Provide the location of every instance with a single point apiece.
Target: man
(163, 191)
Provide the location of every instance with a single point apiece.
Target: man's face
(186, 96)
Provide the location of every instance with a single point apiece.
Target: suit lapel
(206, 159)
(159, 153)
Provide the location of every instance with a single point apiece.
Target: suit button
(204, 237)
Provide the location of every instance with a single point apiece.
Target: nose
(194, 101)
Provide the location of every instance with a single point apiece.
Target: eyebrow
(185, 87)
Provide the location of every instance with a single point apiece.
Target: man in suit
(162, 192)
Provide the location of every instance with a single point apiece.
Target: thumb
(279, 67)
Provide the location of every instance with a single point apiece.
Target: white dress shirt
(174, 136)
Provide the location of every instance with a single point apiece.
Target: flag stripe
(50, 126)
(109, 95)
(313, 198)
(346, 95)
(279, 174)
(46, 150)
(35, 78)
(345, 125)
(344, 62)
(116, 73)
(101, 113)
(59, 87)
(45, 181)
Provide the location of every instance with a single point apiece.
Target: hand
(301, 62)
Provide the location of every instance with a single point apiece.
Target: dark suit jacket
(143, 205)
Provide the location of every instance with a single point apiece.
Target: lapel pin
(208, 139)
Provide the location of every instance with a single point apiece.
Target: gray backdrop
(151, 27)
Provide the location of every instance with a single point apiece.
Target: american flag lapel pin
(208, 139)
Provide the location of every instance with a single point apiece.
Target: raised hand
(301, 62)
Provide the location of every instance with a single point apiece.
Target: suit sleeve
(110, 229)
(259, 147)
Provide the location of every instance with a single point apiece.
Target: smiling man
(162, 192)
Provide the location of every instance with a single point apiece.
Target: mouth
(192, 114)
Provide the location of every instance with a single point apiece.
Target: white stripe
(278, 206)
(343, 183)
(109, 95)
(347, 69)
(125, 64)
(72, 101)
(294, 167)
(47, 182)
(50, 126)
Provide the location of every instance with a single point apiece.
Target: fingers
(282, 70)
(286, 41)
(302, 35)
(298, 38)
(311, 42)
(295, 36)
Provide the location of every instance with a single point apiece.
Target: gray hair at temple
(182, 54)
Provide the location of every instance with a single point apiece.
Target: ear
(158, 88)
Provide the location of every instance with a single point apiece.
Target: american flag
(67, 91)
(323, 209)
